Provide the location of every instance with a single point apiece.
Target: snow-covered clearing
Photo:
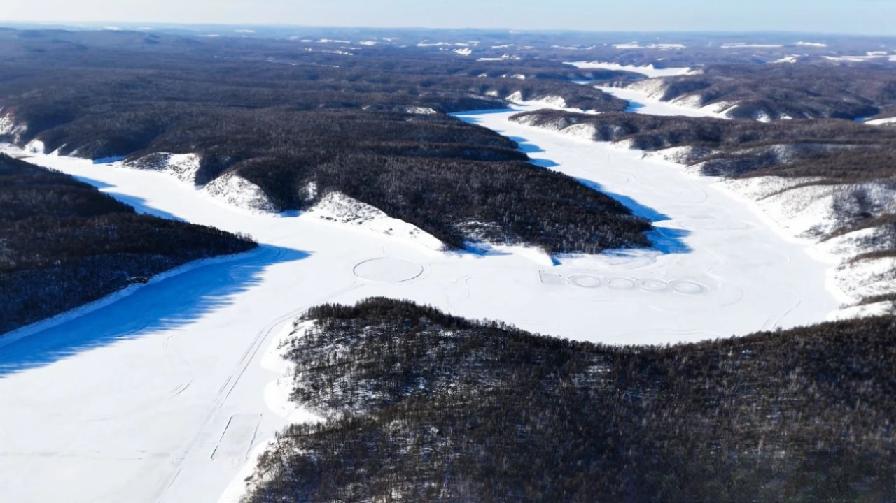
(868, 56)
(648, 70)
(791, 59)
(160, 395)
(881, 122)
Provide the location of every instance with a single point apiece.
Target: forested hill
(423, 406)
(785, 91)
(300, 125)
(837, 150)
(63, 243)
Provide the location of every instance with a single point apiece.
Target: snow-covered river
(160, 395)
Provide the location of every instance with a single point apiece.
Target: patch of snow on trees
(338, 207)
(237, 191)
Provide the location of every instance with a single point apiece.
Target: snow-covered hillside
(814, 212)
(229, 187)
(9, 127)
(645, 97)
(337, 207)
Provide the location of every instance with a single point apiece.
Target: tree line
(63, 243)
(422, 406)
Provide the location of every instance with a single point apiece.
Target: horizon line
(105, 25)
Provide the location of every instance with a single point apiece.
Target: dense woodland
(63, 243)
(423, 406)
(779, 91)
(373, 129)
(292, 113)
(840, 151)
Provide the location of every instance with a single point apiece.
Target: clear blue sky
(843, 16)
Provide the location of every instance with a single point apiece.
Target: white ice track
(643, 103)
(159, 396)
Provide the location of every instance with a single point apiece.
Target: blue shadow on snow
(169, 303)
(634, 106)
(109, 160)
(527, 148)
(663, 239)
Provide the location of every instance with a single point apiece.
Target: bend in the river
(160, 396)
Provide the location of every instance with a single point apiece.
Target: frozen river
(159, 395)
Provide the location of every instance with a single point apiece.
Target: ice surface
(644, 98)
(161, 395)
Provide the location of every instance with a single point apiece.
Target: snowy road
(159, 396)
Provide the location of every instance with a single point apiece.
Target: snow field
(163, 395)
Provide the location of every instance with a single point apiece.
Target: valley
(174, 360)
(284, 263)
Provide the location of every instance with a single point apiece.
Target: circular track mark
(688, 287)
(388, 270)
(585, 280)
(653, 285)
(622, 283)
